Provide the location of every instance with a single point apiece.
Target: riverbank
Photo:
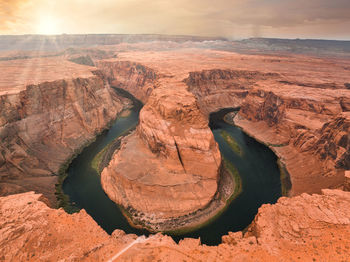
(254, 180)
(229, 187)
(63, 200)
(231, 119)
(286, 183)
(102, 159)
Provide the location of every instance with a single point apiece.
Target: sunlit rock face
(307, 128)
(169, 167)
(135, 78)
(46, 118)
(293, 227)
(223, 88)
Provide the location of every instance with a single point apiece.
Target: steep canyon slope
(301, 111)
(50, 108)
(286, 102)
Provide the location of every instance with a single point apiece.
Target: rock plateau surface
(305, 228)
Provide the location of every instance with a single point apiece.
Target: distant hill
(301, 46)
(65, 43)
(59, 42)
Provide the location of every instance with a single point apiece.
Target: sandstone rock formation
(46, 118)
(170, 166)
(305, 228)
(299, 111)
(217, 88)
(347, 181)
(136, 78)
(307, 128)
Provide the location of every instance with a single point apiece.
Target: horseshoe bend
(212, 150)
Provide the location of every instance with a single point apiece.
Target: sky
(233, 19)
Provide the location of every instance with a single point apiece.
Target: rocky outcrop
(301, 226)
(137, 79)
(170, 166)
(305, 228)
(218, 88)
(307, 128)
(43, 126)
(347, 181)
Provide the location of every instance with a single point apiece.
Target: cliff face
(218, 88)
(136, 78)
(172, 126)
(309, 130)
(42, 126)
(170, 166)
(306, 227)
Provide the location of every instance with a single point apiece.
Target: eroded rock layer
(169, 167)
(300, 111)
(307, 128)
(136, 78)
(218, 88)
(45, 123)
(305, 228)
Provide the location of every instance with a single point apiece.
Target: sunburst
(48, 25)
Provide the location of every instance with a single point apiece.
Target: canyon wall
(308, 128)
(219, 88)
(306, 228)
(137, 79)
(170, 166)
(45, 124)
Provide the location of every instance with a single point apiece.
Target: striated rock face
(173, 127)
(170, 166)
(42, 126)
(136, 78)
(216, 89)
(305, 228)
(308, 129)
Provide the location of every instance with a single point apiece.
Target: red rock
(306, 227)
(170, 166)
(347, 181)
(45, 123)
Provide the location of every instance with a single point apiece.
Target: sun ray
(48, 25)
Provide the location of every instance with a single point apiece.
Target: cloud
(231, 18)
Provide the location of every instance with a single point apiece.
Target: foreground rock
(305, 228)
(170, 166)
(46, 117)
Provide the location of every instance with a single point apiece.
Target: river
(256, 163)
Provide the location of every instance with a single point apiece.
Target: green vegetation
(286, 184)
(231, 142)
(236, 177)
(96, 162)
(63, 199)
(276, 145)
